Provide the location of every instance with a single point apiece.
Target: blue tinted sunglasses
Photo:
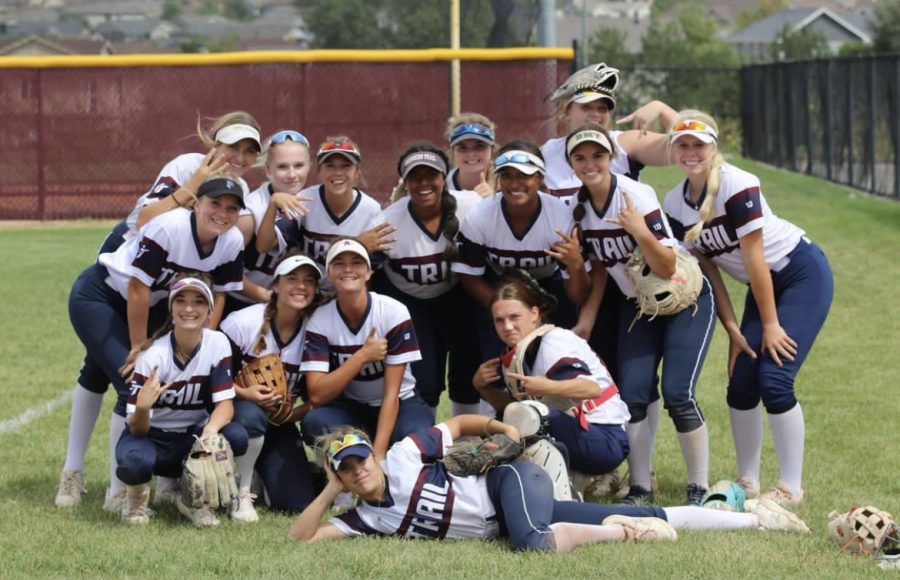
(471, 129)
(288, 135)
(519, 157)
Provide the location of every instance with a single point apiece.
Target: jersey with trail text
(738, 209)
(330, 340)
(203, 380)
(423, 500)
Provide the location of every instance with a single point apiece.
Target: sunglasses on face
(282, 136)
(471, 129)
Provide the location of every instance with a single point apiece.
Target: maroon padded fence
(86, 142)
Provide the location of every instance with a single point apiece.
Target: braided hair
(448, 202)
(520, 285)
(271, 310)
(584, 195)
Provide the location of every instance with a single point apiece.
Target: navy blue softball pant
(803, 293)
(522, 496)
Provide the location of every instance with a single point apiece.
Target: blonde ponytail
(712, 189)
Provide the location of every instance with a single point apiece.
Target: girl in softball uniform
(523, 228)
(617, 215)
(634, 149)
(586, 412)
(286, 161)
(112, 302)
(337, 208)
(181, 390)
(416, 271)
(410, 494)
(278, 327)
(721, 213)
(233, 140)
(472, 145)
(356, 361)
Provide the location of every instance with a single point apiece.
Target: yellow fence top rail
(287, 56)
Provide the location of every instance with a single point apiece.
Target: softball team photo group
(543, 289)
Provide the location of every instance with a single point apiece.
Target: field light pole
(454, 64)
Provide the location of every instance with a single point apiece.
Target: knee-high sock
(747, 433)
(85, 410)
(641, 443)
(695, 450)
(788, 433)
(653, 411)
(116, 426)
(245, 463)
(568, 535)
(690, 517)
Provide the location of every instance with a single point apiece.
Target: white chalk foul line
(29, 415)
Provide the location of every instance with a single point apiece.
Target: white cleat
(71, 487)
(644, 529)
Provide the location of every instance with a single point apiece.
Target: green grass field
(853, 452)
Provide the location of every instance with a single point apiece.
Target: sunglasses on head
(338, 145)
(288, 135)
(348, 440)
(471, 129)
(518, 157)
(693, 125)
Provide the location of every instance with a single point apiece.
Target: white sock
(85, 410)
(695, 450)
(691, 517)
(641, 444)
(653, 411)
(747, 433)
(788, 433)
(469, 409)
(116, 427)
(568, 535)
(245, 463)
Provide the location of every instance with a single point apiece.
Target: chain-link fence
(836, 119)
(87, 141)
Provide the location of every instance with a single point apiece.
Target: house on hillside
(754, 42)
(40, 46)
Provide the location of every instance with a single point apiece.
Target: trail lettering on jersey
(430, 511)
(183, 395)
(718, 237)
(424, 273)
(612, 249)
(371, 371)
(316, 248)
(524, 262)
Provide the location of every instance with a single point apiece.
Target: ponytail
(706, 209)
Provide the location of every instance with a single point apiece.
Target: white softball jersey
(330, 340)
(608, 243)
(173, 175)
(486, 238)
(563, 355)
(415, 263)
(204, 379)
(561, 180)
(243, 326)
(422, 499)
(168, 245)
(738, 209)
(314, 232)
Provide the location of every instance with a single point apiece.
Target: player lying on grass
(412, 494)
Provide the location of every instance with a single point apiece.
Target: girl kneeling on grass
(411, 494)
(720, 211)
(180, 372)
(279, 327)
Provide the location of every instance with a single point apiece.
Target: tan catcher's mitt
(208, 476)
(660, 296)
(268, 371)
